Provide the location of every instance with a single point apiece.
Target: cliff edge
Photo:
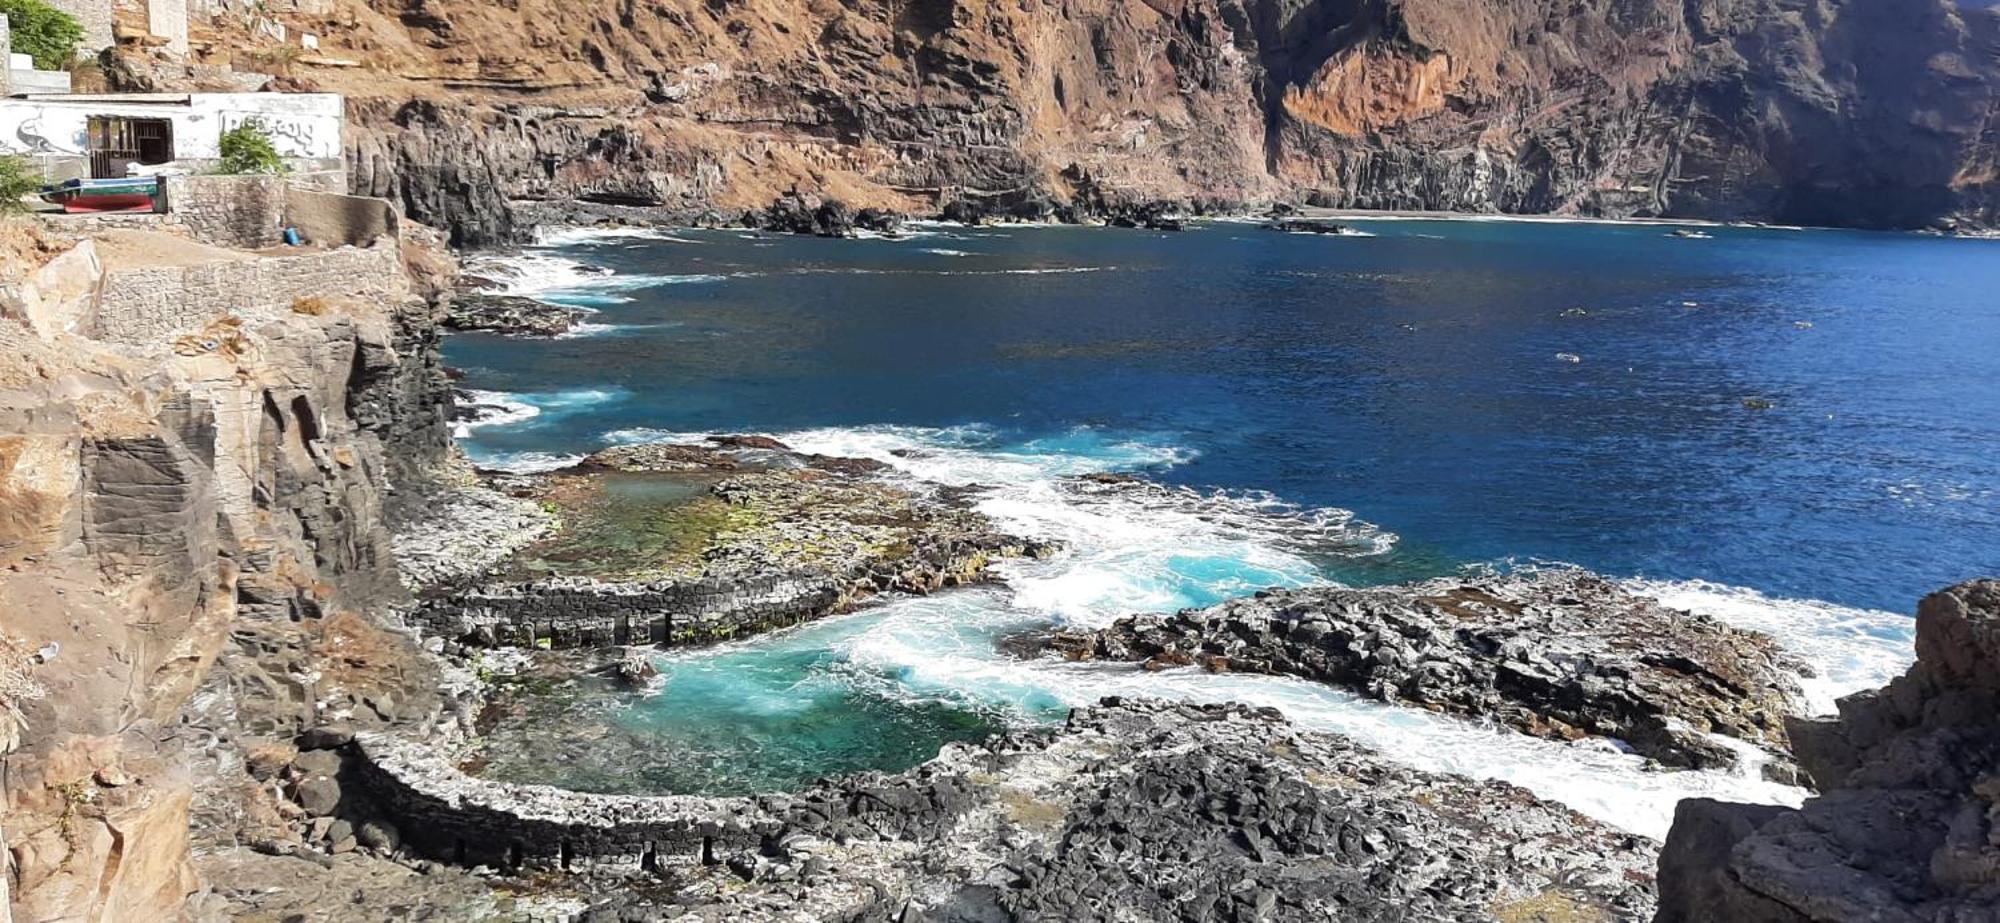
(1906, 827)
(193, 547)
(484, 118)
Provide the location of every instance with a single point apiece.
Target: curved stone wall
(445, 814)
(569, 612)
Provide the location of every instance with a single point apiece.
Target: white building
(102, 136)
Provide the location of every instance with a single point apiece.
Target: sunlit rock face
(1846, 113)
(1904, 827)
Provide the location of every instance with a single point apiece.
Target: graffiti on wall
(293, 136)
(303, 125)
(38, 131)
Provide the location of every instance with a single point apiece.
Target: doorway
(116, 142)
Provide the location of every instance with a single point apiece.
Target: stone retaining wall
(448, 815)
(566, 612)
(245, 212)
(149, 306)
(251, 212)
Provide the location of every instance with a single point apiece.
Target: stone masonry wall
(150, 306)
(95, 18)
(449, 815)
(581, 612)
(246, 212)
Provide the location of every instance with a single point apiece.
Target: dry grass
(1548, 907)
(313, 306)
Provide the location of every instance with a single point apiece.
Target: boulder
(319, 795)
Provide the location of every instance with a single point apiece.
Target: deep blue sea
(1794, 429)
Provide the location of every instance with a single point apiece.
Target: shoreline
(1248, 214)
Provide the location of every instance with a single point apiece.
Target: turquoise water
(1792, 430)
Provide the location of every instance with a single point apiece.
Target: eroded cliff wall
(193, 538)
(1851, 112)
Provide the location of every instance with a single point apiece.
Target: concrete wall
(331, 219)
(150, 306)
(251, 212)
(18, 73)
(168, 19)
(305, 128)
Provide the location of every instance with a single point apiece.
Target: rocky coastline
(291, 581)
(1906, 826)
(673, 544)
(1167, 812)
(1559, 654)
(510, 315)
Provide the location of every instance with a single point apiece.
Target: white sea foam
(1343, 232)
(1853, 649)
(589, 236)
(585, 329)
(943, 251)
(1136, 547)
(941, 646)
(524, 462)
(495, 408)
(510, 409)
(558, 279)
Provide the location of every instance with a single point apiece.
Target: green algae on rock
(674, 544)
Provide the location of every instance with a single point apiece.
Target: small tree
(42, 32)
(18, 178)
(247, 149)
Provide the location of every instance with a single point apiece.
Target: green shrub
(18, 178)
(247, 149)
(42, 32)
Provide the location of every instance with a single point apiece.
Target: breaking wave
(1132, 545)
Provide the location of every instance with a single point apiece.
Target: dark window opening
(117, 142)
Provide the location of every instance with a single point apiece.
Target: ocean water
(1792, 430)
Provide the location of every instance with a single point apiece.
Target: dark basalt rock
(797, 213)
(658, 457)
(1562, 655)
(742, 538)
(1907, 825)
(510, 315)
(1135, 810)
(878, 220)
(1308, 226)
(749, 442)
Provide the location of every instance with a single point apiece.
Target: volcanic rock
(510, 315)
(1906, 827)
(1562, 655)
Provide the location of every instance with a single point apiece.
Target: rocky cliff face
(1907, 823)
(192, 535)
(1850, 112)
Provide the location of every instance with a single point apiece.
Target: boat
(86, 196)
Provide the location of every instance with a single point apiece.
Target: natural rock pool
(1786, 429)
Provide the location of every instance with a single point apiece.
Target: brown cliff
(193, 544)
(1848, 112)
